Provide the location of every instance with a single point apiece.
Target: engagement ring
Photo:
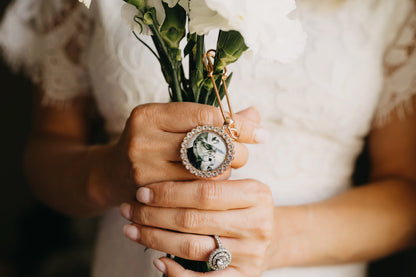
(220, 258)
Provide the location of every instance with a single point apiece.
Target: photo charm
(207, 151)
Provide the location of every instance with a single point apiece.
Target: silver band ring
(220, 258)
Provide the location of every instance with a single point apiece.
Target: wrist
(288, 237)
(108, 183)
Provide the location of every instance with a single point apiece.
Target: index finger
(201, 194)
(183, 117)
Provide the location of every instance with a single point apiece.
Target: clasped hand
(179, 216)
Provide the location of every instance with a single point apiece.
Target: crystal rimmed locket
(208, 151)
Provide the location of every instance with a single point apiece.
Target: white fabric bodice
(317, 109)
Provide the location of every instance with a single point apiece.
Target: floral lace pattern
(51, 48)
(400, 74)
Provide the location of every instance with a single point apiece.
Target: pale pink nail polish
(145, 195)
(131, 232)
(159, 265)
(125, 210)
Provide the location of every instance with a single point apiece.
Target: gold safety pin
(228, 120)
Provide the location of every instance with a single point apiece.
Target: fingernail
(159, 265)
(125, 210)
(261, 135)
(132, 232)
(144, 195)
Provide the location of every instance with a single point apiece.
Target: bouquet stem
(170, 68)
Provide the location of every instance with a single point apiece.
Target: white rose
(264, 24)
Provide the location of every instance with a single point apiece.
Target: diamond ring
(220, 258)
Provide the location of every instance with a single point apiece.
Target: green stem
(147, 46)
(199, 69)
(163, 51)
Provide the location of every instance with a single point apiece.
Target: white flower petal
(204, 19)
(160, 11)
(256, 21)
(128, 13)
(184, 4)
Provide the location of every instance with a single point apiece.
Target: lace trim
(48, 39)
(400, 75)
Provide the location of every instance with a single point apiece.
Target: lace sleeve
(48, 40)
(399, 74)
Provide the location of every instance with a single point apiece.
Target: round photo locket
(207, 151)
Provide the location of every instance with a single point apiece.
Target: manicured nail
(145, 195)
(261, 135)
(131, 232)
(125, 210)
(159, 265)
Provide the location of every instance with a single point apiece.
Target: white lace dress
(359, 65)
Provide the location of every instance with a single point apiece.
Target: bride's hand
(180, 218)
(148, 149)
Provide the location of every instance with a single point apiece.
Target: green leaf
(230, 47)
(190, 44)
(139, 4)
(196, 67)
(173, 28)
(149, 17)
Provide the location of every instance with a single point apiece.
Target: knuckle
(149, 238)
(143, 113)
(257, 255)
(132, 148)
(192, 248)
(136, 114)
(257, 250)
(204, 116)
(258, 262)
(262, 191)
(138, 175)
(208, 192)
(166, 192)
(188, 220)
(263, 229)
(266, 193)
(142, 215)
(138, 145)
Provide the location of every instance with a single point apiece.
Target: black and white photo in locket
(207, 151)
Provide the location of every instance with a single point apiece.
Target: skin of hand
(153, 135)
(240, 212)
(79, 179)
(359, 225)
